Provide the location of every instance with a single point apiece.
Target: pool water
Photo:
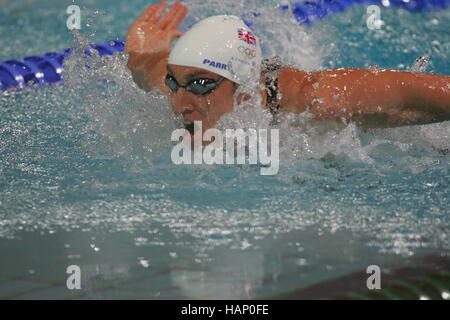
(86, 177)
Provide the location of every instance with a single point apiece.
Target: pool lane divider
(33, 71)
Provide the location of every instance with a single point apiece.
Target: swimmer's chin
(193, 134)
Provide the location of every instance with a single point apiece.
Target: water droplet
(421, 63)
(140, 241)
(301, 262)
(374, 68)
(245, 244)
(436, 45)
(143, 262)
(319, 100)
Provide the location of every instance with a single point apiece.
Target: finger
(175, 22)
(169, 16)
(147, 13)
(155, 16)
(179, 16)
(141, 20)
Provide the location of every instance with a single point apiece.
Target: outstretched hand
(148, 44)
(151, 32)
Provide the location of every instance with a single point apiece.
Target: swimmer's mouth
(189, 126)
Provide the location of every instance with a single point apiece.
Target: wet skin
(370, 98)
(205, 108)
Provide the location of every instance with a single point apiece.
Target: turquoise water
(86, 176)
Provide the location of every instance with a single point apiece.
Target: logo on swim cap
(246, 36)
(247, 53)
(215, 64)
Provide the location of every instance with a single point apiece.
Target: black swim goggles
(200, 86)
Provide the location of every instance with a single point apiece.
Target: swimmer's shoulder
(299, 89)
(296, 88)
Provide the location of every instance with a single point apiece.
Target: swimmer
(207, 64)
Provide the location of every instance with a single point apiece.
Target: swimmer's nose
(183, 110)
(181, 103)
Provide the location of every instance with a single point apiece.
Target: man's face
(206, 108)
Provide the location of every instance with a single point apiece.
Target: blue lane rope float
(48, 68)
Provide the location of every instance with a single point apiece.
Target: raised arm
(384, 98)
(148, 44)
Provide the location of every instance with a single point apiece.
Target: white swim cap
(224, 45)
